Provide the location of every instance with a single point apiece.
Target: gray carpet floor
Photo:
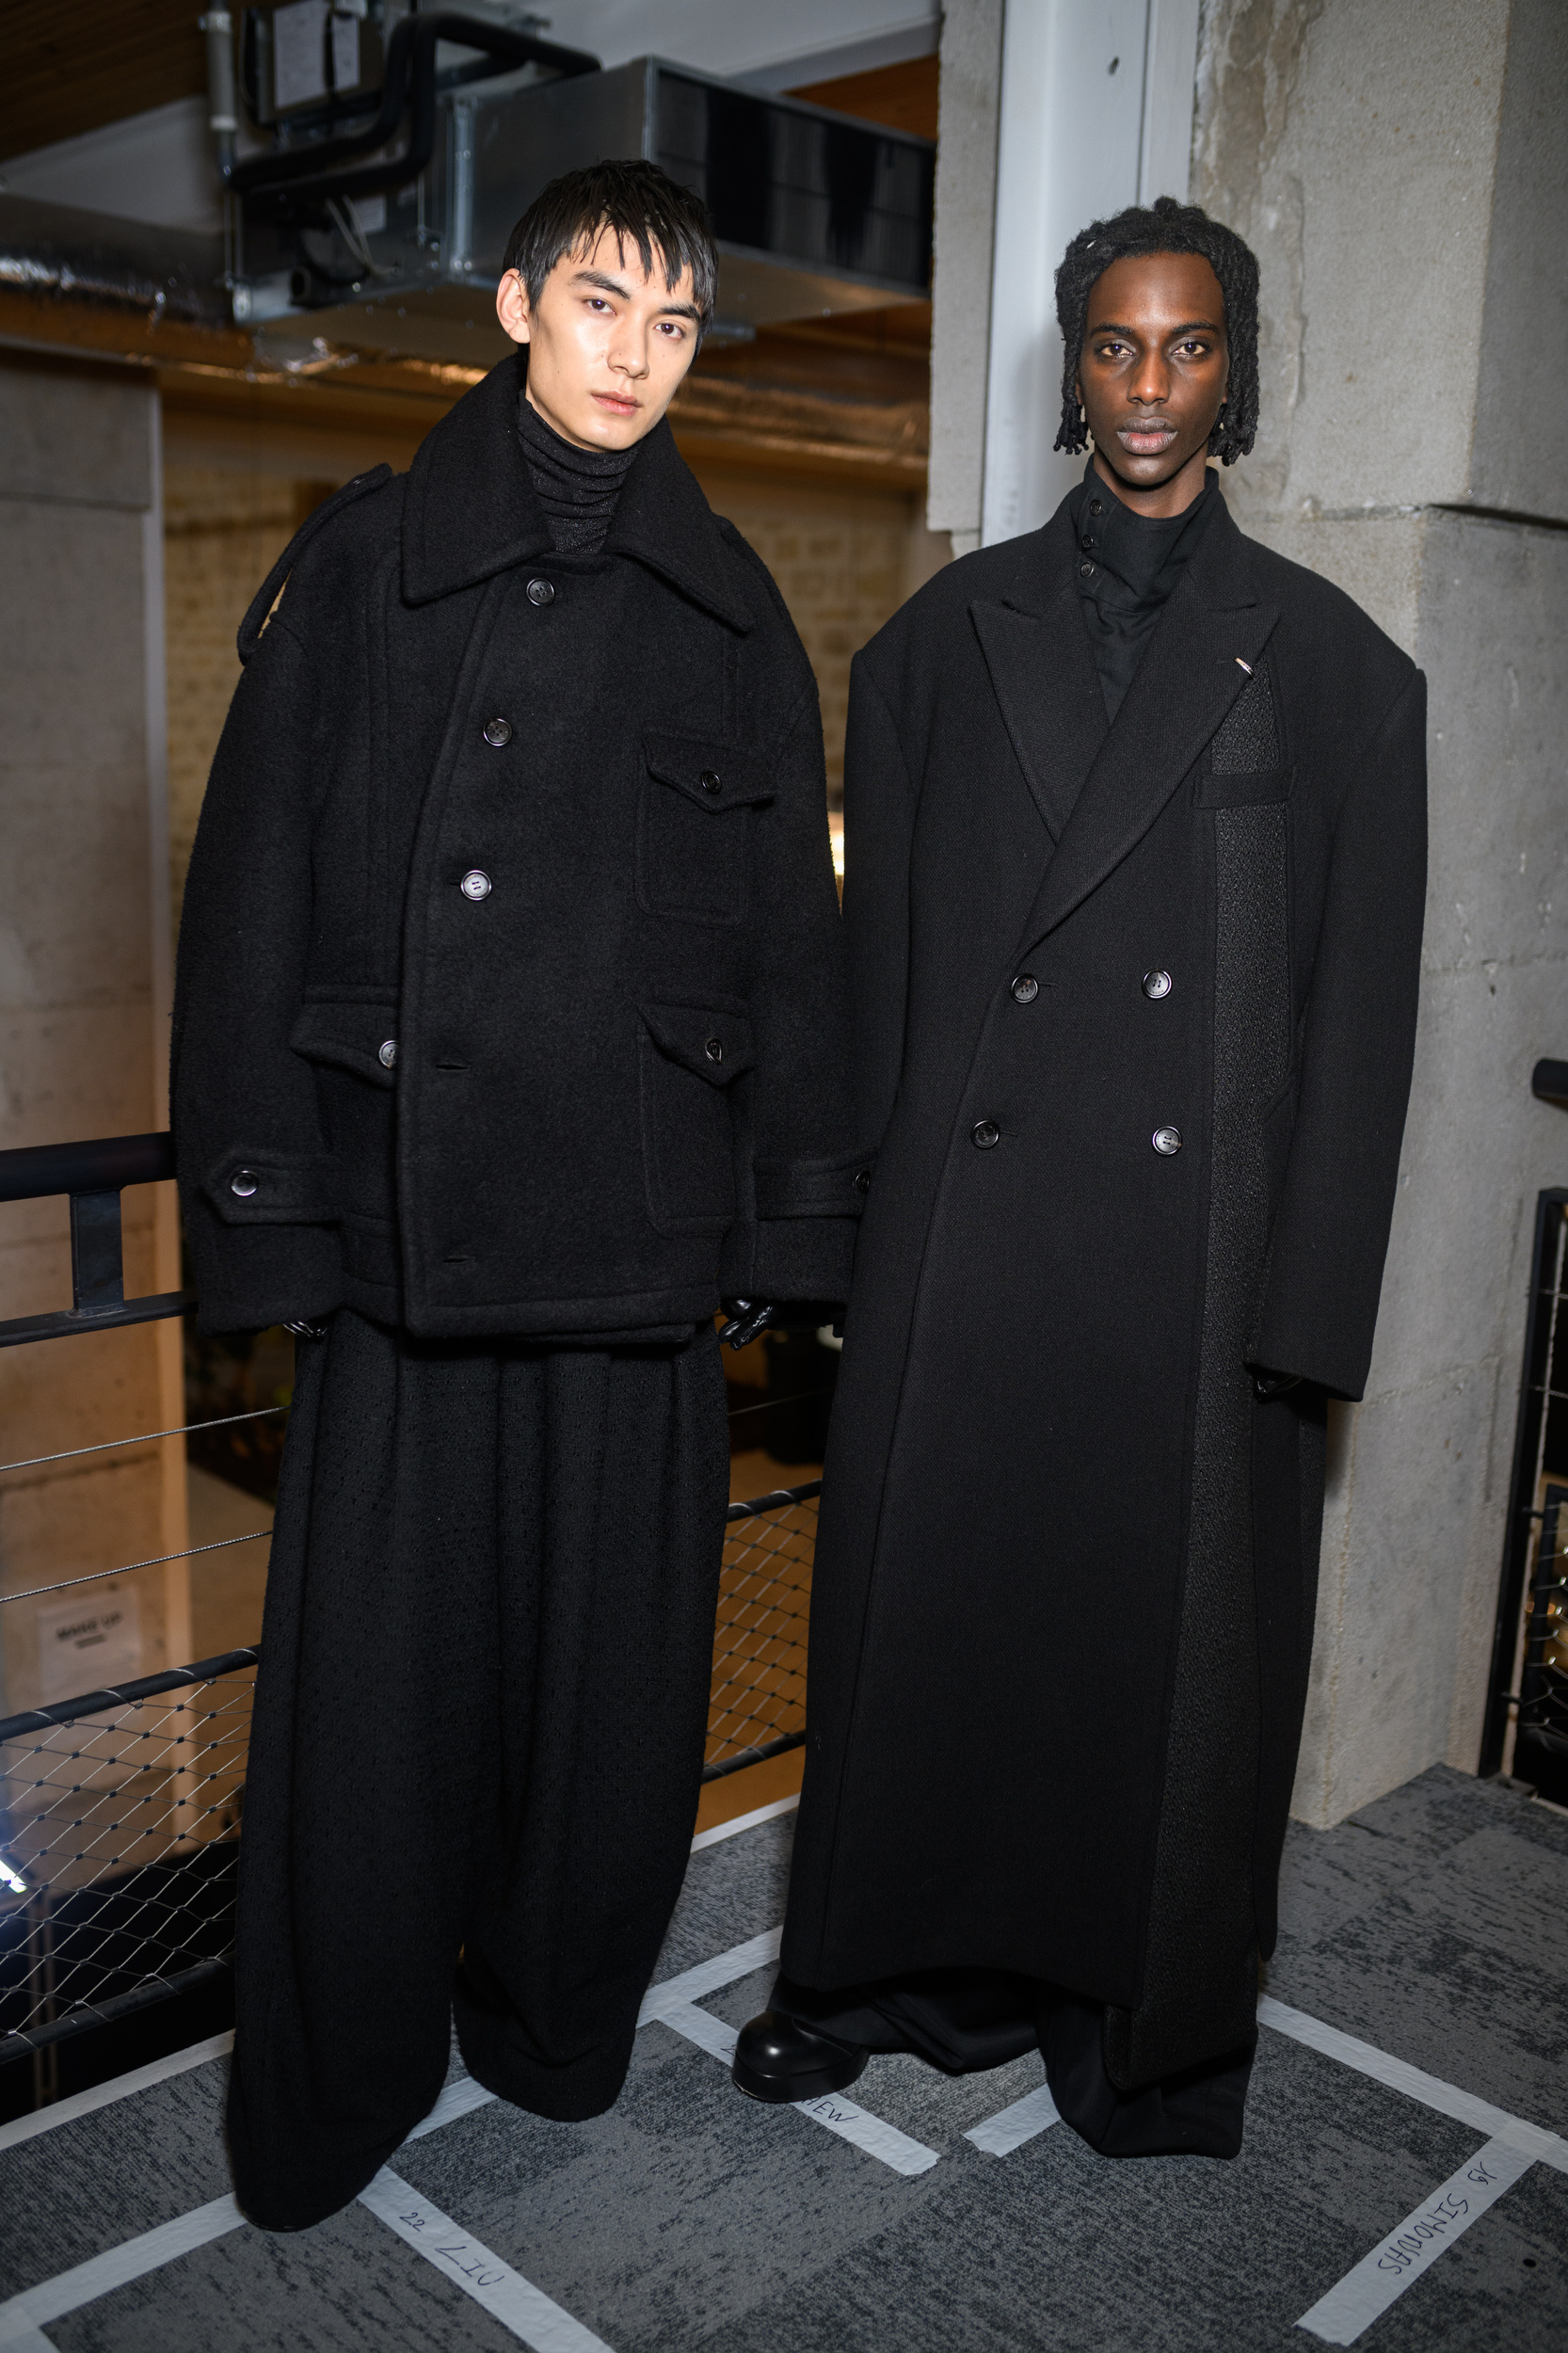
(1433, 1926)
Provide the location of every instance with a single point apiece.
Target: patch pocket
(691, 1054)
(695, 826)
(1241, 791)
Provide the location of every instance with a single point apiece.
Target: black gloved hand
(747, 1318)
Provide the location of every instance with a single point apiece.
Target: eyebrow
(1113, 327)
(618, 286)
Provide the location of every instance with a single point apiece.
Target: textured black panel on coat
(1247, 741)
(1200, 1983)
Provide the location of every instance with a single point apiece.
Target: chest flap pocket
(699, 800)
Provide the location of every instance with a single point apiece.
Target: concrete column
(83, 999)
(1401, 171)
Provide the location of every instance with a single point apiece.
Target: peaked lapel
(1187, 681)
(1042, 671)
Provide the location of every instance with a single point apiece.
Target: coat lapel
(1190, 676)
(1042, 671)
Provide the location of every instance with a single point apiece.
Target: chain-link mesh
(119, 1844)
(756, 1703)
(120, 1822)
(1543, 1679)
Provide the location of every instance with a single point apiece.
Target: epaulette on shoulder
(266, 595)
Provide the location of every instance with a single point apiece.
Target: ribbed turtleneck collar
(1129, 562)
(577, 487)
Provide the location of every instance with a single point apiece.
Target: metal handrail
(92, 1175)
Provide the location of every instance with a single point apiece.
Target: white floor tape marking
(103, 2095)
(103, 2273)
(846, 2118)
(1000, 2135)
(744, 1821)
(458, 2099)
(1463, 2107)
(516, 2303)
(1415, 2245)
(709, 1976)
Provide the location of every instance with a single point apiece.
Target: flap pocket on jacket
(347, 1036)
(716, 776)
(1242, 790)
(271, 1189)
(714, 1046)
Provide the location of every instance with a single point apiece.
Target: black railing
(121, 1809)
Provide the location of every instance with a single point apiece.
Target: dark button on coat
(1064, 1594)
(551, 913)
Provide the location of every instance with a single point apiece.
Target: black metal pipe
(107, 1164)
(34, 1719)
(754, 1756)
(21, 2042)
(319, 170)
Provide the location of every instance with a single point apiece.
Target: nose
(1149, 386)
(629, 353)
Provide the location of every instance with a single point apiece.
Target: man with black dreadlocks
(1135, 817)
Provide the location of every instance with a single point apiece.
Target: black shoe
(779, 2060)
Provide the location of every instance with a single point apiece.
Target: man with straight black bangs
(1135, 829)
(508, 1040)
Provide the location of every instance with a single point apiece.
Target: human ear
(511, 306)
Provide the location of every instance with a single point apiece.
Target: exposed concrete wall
(83, 985)
(1399, 170)
(961, 291)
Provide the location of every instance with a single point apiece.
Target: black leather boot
(778, 2058)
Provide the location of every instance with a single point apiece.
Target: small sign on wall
(88, 1645)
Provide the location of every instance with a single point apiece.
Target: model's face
(1152, 376)
(607, 347)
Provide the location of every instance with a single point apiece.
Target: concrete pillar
(83, 999)
(1399, 170)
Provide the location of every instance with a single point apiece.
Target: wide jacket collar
(471, 510)
(1099, 788)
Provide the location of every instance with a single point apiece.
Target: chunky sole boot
(780, 2059)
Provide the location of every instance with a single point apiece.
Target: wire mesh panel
(757, 1702)
(119, 1844)
(1541, 1747)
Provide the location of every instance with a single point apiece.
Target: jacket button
(498, 734)
(709, 781)
(714, 1050)
(1087, 570)
(1096, 506)
(1157, 984)
(1167, 1140)
(863, 1180)
(388, 1053)
(475, 885)
(244, 1182)
(540, 592)
(983, 1134)
(1087, 542)
(1026, 989)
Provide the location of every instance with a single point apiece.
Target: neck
(1158, 501)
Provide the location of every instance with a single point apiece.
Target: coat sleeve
(1331, 1233)
(248, 1140)
(879, 809)
(798, 1242)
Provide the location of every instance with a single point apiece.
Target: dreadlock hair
(642, 205)
(1167, 228)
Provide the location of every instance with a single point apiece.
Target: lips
(621, 408)
(1145, 440)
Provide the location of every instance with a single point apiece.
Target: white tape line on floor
(709, 1976)
(846, 2118)
(744, 1821)
(103, 2273)
(458, 2099)
(516, 2303)
(1463, 2107)
(1000, 2135)
(1411, 2248)
(119, 2088)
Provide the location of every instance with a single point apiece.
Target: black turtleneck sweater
(577, 487)
(1128, 566)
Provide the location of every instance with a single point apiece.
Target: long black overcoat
(1134, 1009)
(510, 982)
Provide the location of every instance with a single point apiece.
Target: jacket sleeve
(1331, 1233)
(808, 1177)
(247, 1140)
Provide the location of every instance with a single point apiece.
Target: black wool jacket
(510, 978)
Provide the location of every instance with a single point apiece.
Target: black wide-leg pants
(478, 1732)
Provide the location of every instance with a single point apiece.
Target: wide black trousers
(478, 1737)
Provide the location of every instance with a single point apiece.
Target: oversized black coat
(1065, 1581)
(510, 978)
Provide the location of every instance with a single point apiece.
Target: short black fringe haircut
(643, 206)
(1167, 227)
